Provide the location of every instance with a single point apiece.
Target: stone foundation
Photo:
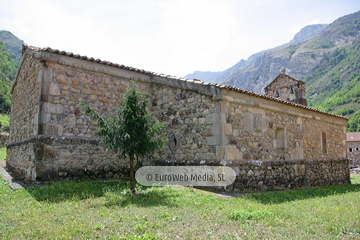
(267, 175)
(49, 158)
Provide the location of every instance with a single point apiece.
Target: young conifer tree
(132, 132)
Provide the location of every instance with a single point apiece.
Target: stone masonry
(353, 147)
(287, 88)
(4, 139)
(52, 138)
(265, 175)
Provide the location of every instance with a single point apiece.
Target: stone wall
(314, 129)
(188, 114)
(24, 118)
(52, 138)
(66, 87)
(4, 139)
(251, 125)
(21, 159)
(48, 158)
(25, 107)
(353, 152)
(287, 88)
(265, 175)
(232, 126)
(46, 103)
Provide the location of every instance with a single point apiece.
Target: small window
(292, 93)
(277, 94)
(323, 140)
(350, 149)
(280, 138)
(357, 149)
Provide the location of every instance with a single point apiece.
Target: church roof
(353, 137)
(282, 74)
(221, 86)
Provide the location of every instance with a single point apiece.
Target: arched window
(292, 93)
(280, 138)
(323, 142)
(277, 94)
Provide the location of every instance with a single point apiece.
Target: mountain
(305, 34)
(266, 65)
(334, 84)
(13, 45)
(326, 57)
(308, 33)
(215, 77)
(211, 77)
(10, 55)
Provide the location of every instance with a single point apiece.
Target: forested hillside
(10, 55)
(13, 45)
(8, 67)
(334, 84)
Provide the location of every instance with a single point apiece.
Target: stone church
(272, 141)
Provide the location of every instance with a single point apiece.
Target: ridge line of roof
(218, 85)
(285, 75)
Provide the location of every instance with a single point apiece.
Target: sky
(174, 37)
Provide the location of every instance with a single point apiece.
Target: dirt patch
(2, 163)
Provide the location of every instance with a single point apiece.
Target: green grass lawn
(2, 153)
(95, 210)
(355, 179)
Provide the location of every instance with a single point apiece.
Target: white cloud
(170, 36)
(195, 30)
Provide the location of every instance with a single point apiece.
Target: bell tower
(287, 88)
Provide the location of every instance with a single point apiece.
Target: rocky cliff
(326, 57)
(307, 33)
(231, 75)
